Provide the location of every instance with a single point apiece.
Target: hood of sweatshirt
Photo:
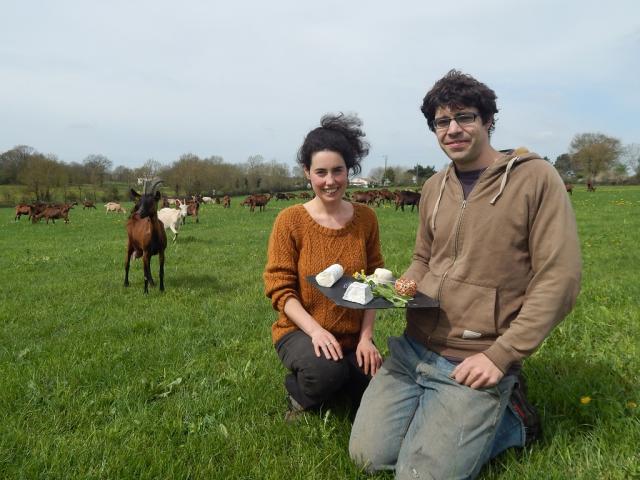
(500, 167)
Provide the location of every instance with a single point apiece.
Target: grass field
(99, 381)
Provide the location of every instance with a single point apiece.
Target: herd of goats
(55, 211)
(146, 224)
(401, 198)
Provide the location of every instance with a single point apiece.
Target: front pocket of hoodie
(429, 285)
(467, 311)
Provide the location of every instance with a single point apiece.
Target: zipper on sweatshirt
(455, 246)
(458, 228)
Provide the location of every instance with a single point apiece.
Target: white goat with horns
(172, 218)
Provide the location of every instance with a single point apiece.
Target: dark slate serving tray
(336, 292)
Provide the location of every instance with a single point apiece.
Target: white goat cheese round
(358, 293)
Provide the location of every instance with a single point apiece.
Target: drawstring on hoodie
(504, 180)
(505, 175)
(435, 209)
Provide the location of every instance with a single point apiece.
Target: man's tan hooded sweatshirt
(504, 263)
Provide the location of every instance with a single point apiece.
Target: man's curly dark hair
(459, 90)
(337, 133)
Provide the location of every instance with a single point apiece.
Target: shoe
(294, 410)
(527, 412)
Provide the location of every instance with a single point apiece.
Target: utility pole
(384, 177)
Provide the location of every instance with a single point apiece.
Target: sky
(138, 79)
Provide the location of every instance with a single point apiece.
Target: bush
(7, 199)
(115, 194)
(71, 196)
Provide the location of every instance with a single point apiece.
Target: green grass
(99, 381)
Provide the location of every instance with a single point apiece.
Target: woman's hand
(368, 357)
(325, 343)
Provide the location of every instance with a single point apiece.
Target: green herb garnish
(383, 290)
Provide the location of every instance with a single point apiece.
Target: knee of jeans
(368, 456)
(367, 449)
(324, 379)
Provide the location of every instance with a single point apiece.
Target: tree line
(41, 175)
(591, 157)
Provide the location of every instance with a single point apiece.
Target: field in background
(99, 381)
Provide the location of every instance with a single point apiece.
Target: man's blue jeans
(417, 420)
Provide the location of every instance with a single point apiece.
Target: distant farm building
(361, 182)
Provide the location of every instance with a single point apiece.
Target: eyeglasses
(465, 118)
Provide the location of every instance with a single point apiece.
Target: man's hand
(477, 371)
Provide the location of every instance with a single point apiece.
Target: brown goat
(193, 209)
(146, 236)
(368, 198)
(23, 209)
(259, 201)
(386, 195)
(226, 201)
(53, 213)
(38, 208)
(407, 197)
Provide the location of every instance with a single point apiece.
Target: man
(497, 246)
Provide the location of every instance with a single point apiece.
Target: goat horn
(153, 188)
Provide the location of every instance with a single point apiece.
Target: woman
(327, 348)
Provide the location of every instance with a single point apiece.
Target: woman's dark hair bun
(338, 133)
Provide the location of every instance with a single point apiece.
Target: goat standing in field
(407, 197)
(113, 207)
(172, 218)
(54, 211)
(193, 209)
(259, 201)
(23, 209)
(146, 236)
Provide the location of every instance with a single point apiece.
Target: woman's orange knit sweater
(299, 247)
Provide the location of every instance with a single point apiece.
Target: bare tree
(97, 167)
(563, 166)
(40, 175)
(150, 169)
(592, 153)
(13, 161)
(184, 174)
(631, 157)
(123, 174)
(254, 162)
(377, 174)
